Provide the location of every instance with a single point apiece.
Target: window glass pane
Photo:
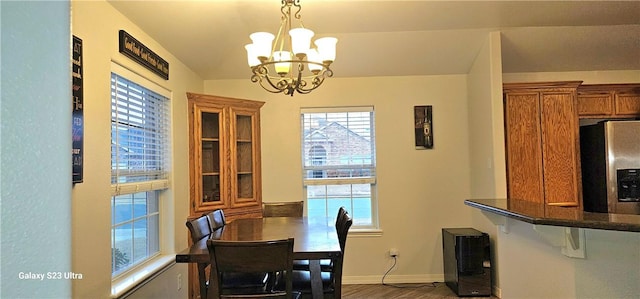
(123, 208)
(325, 200)
(361, 204)
(152, 202)
(139, 240)
(113, 214)
(139, 204)
(122, 247)
(153, 234)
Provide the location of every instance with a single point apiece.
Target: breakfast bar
(532, 213)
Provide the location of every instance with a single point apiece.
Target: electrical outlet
(393, 252)
(179, 282)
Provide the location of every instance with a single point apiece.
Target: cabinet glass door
(244, 152)
(210, 140)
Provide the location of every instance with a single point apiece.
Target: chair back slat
(216, 219)
(199, 228)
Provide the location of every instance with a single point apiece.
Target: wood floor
(436, 290)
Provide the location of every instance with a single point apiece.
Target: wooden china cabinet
(224, 160)
(543, 145)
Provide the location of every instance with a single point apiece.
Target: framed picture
(423, 120)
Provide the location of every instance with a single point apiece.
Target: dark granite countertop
(534, 214)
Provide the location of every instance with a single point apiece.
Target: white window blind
(338, 144)
(139, 138)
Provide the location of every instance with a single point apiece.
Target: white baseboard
(497, 291)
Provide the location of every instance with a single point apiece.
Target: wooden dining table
(314, 239)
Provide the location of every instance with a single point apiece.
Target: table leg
(316, 279)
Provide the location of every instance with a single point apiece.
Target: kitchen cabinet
(542, 145)
(609, 101)
(224, 160)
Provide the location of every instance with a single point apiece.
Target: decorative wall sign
(77, 123)
(423, 120)
(132, 48)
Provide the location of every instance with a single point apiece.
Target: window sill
(365, 232)
(135, 279)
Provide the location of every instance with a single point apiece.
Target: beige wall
(97, 24)
(419, 191)
(486, 137)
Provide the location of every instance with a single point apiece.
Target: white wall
(36, 148)
(97, 24)
(419, 191)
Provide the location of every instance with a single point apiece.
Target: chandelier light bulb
(300, 41)
(262, 42)
(282, 68)
(313, 56)
(252, 57)
(327, 49)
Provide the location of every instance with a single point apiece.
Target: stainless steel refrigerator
(610, 161)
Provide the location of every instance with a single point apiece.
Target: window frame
(311, 169)
(127, 278)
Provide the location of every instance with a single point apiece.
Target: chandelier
(286, 63)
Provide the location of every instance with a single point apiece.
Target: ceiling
(396, 38)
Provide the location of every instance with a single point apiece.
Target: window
(139, 171)
(338, 158)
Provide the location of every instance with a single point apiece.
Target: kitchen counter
(534, 214)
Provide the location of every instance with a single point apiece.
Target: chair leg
(202, 279)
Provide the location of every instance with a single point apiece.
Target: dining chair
(216, 219)
(283, 209)
(247, 257)
(302, 278)
(200, 228)
(325, 264)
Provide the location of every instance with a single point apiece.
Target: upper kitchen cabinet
(609, 101)
(224, 156)
(542, 145)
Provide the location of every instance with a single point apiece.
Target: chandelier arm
(261, 74)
